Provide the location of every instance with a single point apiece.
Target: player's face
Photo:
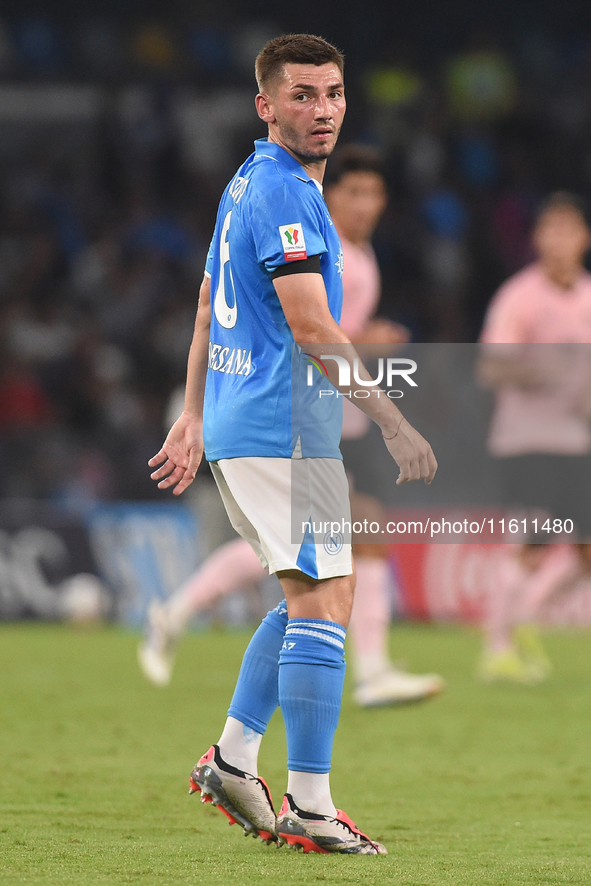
(304, 109)
(562, 237)
(356, 203)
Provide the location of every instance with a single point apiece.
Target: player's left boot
(531, 649)
(157, 652)
(392, 687)
(506, 666)
(243, 798)
(323, 833)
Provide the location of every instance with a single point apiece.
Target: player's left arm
(305, 305)
(182, 450)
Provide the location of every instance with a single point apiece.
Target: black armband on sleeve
(309, 265)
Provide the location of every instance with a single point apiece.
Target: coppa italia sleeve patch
(294, 245)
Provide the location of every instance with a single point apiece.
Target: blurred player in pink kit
(355, 192)
(536, 358)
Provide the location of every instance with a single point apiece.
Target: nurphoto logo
(388, 370)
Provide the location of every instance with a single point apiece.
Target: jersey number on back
(225, 314)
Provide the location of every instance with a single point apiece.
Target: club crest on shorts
(333, 542)
(294, 244)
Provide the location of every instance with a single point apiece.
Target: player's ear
(264, 107)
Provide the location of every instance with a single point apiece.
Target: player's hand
(180, 455)
(412, 454)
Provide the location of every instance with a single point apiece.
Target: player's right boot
(245, 799)
(322, 833)
(395, 687)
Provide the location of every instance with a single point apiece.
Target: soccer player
(541, 430)
(269, 304)
(356, 197)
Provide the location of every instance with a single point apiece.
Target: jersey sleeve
(209, 259)
(287, 226)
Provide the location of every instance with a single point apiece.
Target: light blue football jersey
(262, 394)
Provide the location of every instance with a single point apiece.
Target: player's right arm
(305, 305)
(182, 450)
(501, 366)
(503, 360)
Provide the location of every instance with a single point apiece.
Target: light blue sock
(311, 677)
(256, 695)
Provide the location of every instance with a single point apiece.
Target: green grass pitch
(484, 786)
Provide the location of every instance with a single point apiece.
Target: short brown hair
(563, 200)
(353, 158)
(295, 49)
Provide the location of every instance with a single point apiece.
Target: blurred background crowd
(121, 125)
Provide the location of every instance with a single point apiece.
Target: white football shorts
(295, 512)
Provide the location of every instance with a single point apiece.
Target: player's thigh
(299, 509)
